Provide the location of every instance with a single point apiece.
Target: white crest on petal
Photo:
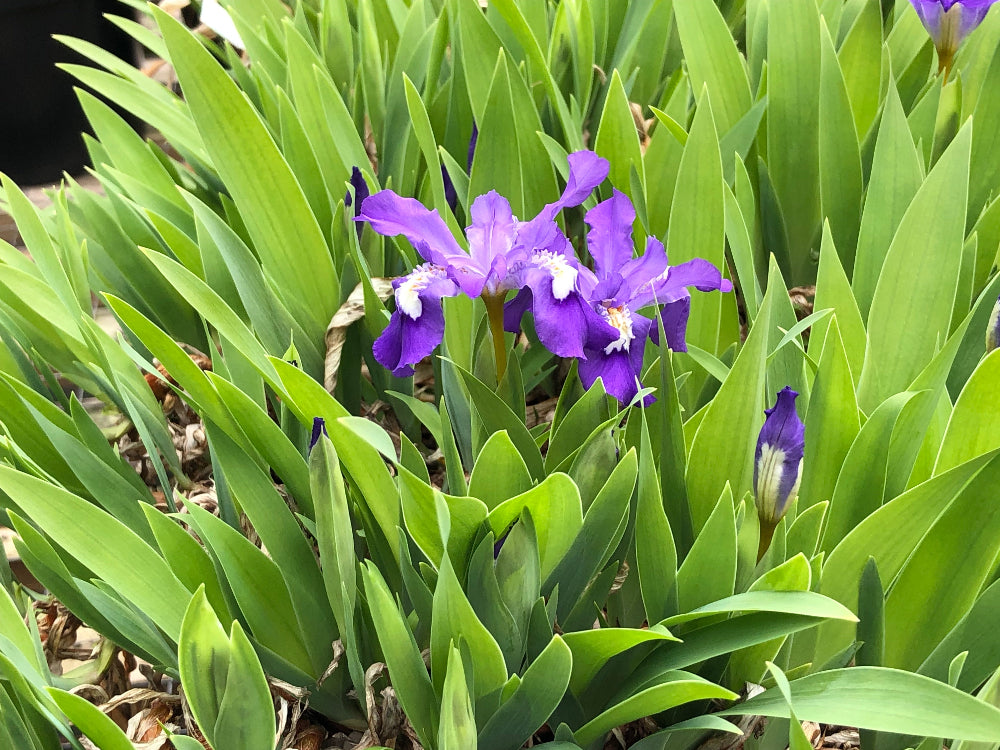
(408, 292)
(563, 274)
(620, 318)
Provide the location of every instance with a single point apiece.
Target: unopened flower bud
(993, 328)
(777, 466)
(949, 21)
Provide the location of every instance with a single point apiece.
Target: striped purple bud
(777, 467)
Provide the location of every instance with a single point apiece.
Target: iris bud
(777, 468)
(948, 22)
(993, 328)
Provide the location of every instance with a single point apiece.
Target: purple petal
(610, 236)
(675, 320)
(390, 214)
(640, 273)
(587, 170)
(698, 273)
(614, 369)
(492, 232)
(562, 324)
(515, 309)
(778, 458)
(416, 327)
(540, 235)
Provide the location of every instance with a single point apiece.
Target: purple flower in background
(993, 328)
(777, 466)
(318, 430)
(472, 148)
(949, 22)
(504, 254)
(614, 332)
(360, 192)
(450, 195)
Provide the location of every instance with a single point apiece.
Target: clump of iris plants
(590, 315)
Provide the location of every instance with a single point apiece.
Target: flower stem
(494, 310)
(945, 60)
(766, 535)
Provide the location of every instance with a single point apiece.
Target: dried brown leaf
(350, 312)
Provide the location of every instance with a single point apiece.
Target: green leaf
(651, 701)
(466, 514)
(923, 264)
(789, 602)
(122, 559)
(655, 550)
(246, 716)
(89, 719)
(496, 416)
(861, 484)
(793, 125)
(593, 648)
(832, 421)
(204, 662)
(539, 692)
(557, 513)
(974, 634)
(713, 60)
(187, 558)
(697, 220)
(984, 141)
(949, 568)
(453, 619)
(886, 700)
(259, 590)
(723, 445)
(839, 153)
(708, 573)
(266, 310)
(458, 721)
(402, 656)
(890, 535)
(861, 56)
(593, 546)
(617, 139)
(974, 425)
(270, 200)
(569, 432)
(500, 472)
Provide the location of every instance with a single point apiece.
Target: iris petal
(416, 327)
(610, 237)
(391, 214)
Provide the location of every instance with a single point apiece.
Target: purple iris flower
(504, 254)
(777, 467)
(613, 331)
(993, 328)
(949, 22)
